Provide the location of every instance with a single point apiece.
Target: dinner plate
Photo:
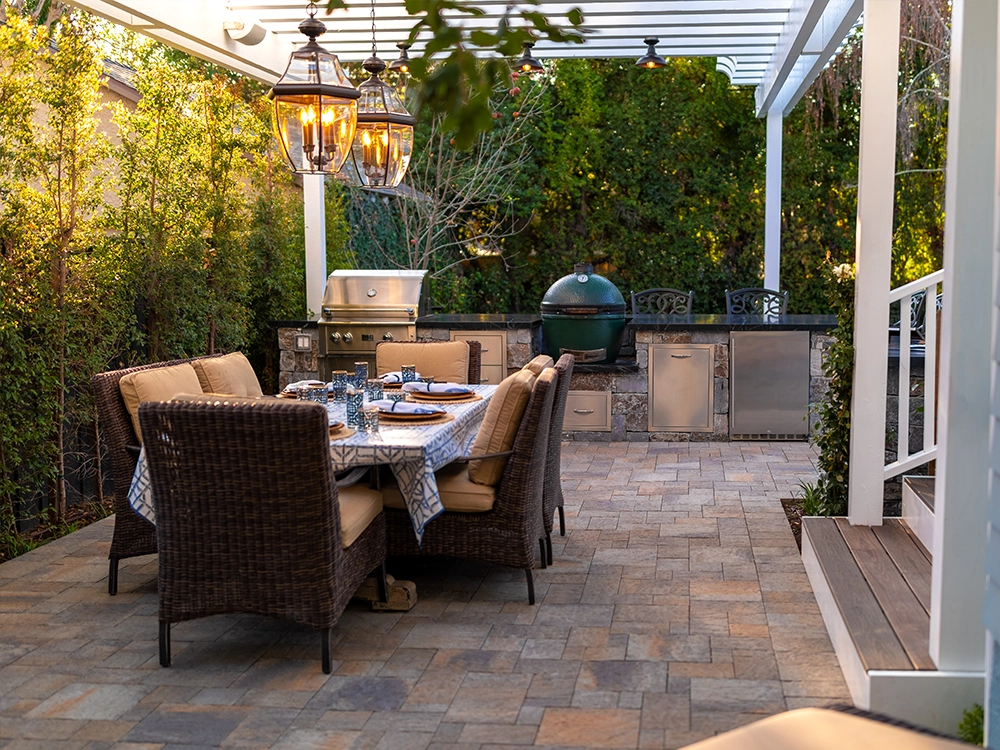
(398, 416)
(336, 426)
(425, 396)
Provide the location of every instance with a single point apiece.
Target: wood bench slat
(877, 644)
(908, 557)
(909, 620)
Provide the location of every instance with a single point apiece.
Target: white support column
(313, 192)
(873, 251)
(772, 203)
(960, 498)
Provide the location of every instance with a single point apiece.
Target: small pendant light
(527, 63)
(315, 106)
(402, 63)
(384, 138)
(651, 59)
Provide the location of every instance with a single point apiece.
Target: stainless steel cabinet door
(681, 387)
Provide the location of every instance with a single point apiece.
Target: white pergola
(777, 46)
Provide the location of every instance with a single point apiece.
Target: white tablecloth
(413, 454)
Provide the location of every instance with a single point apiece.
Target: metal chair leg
(164, 643)
(544, 557)
(112, 575)
(531, 586)
(548, 544)
(382, 583)
(562, 521)
(324, 635)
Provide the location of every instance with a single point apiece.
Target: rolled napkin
(291, 387)
(394, 377)
(405, 407)
(436, 387)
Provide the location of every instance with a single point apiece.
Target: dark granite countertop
(294, 324)
(479, 322)
(734, 322)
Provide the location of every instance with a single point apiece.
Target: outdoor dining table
(413, 452)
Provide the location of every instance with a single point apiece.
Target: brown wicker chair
(133, 535)
(511, 533)
(552, 495)
(248, 517)
(427, 368)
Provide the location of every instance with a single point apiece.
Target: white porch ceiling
(778, 46)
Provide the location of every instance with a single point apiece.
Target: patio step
(873, 588)
(918, 507)
(881, 582)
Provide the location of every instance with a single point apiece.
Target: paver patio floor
(677, 607)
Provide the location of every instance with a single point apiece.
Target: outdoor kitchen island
(692, 371)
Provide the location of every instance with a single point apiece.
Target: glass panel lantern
(315, 107)
(384, 139)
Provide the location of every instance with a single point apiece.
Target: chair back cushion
(459, 494)
(157, 384)
(499, 428)
(446, 361)
(539, 363)
(232, 375)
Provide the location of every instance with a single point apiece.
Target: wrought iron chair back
(662, 301)
(756, 301)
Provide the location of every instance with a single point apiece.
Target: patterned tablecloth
(413, 454)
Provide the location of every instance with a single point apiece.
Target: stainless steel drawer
(588, 411)
(681, 387)
(490, 374)
(494, 345)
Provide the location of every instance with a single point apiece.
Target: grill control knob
(387, 336)
(348, 338)
(335, 337)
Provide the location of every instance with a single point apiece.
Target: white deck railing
(924, 320)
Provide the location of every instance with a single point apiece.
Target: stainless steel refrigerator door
(769, 385)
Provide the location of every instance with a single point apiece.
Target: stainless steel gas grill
(362, 308)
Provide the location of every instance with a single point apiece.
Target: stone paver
(677, 608)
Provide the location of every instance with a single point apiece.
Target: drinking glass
(355, 398)
(396, 395)
(373, 389)
(409, 373)
(360, 374)
(319, 394)
(339, 385)
(369, 419)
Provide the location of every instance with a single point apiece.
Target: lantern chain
(311, 9)
(374, 51)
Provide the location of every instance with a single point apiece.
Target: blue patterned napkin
(436, 387)
(404, 407)
(394, 377)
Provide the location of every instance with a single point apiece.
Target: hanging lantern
(315, 106)
(384, 138)
(527, 63)
(650, 59)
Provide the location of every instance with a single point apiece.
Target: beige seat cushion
(156, 384)
(822, 729)
(445, 361)
(231, 374)
(458, 492)
(359, 505)
(499, 428)
(539, 363)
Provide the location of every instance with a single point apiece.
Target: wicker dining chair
(552, 495)
(662, 301)
(756, 301)
(427, 356)
(133, 535)
(249, 517)
(511, 533)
